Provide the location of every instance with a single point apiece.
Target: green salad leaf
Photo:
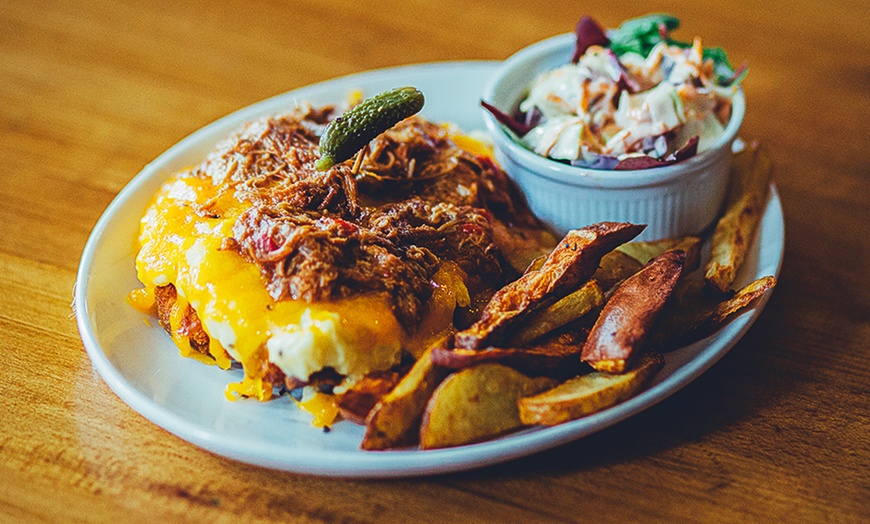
(640, 35)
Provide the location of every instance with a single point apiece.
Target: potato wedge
(627, 317)
(568, 309)
(695, 312)
(615, 267)
(475, 404)
(587, 394)
(740, 300)
(552, 360)
(743, 298)
(359, 399)
(572, 262)
(751, 172)
(643, 252)
(395, 418)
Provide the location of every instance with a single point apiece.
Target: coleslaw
(633, 98)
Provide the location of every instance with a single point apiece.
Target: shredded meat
(270, 148)
(322, 236)
(320, 257)
(459, 233)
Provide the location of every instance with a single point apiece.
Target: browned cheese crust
(189, 326)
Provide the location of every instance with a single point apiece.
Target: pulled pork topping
(313, 256)
(321, 236)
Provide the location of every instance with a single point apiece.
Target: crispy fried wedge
(550, 359)
(645, 251)
(572, 262)
(630, 258)
(556, 315)
(475, 404)
(587, 394)
(627, 317)
(396, 417)
(356, 403)
(751, 172)
(740, 300)
(615, 267)
(695, 312)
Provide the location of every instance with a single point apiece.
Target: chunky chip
(627, 317)
(586, 394)
(566, 310)
(396, 417)
(644, 251)
(751, 173)
(552, 359)
(573, 261)
(475, 404)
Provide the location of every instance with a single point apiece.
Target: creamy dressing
(586, 110)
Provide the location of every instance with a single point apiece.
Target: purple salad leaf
(595, 161)
(645, 162)
(639, 162)
(589, 33)
(655, 146)
(738, 75)
(533, 117)
(687, 151)
(519, 128)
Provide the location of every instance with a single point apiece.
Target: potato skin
(627, 317)
(476, 404)
(395, 418)
(571, 263)
(587, 394)
(552, 360)
(751, 173)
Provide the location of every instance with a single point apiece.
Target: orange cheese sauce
(322, 407)
(354, 336)
(181, 247)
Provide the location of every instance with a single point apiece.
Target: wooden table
(93, 90)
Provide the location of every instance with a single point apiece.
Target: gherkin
(350, 132)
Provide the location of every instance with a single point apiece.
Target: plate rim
(392, 463)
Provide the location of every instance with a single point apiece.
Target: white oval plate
(140, 363)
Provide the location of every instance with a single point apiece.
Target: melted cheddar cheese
(354, 336)
(178, 246)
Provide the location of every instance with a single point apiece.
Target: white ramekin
(675, 200)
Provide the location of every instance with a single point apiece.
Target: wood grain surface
(92, 90)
